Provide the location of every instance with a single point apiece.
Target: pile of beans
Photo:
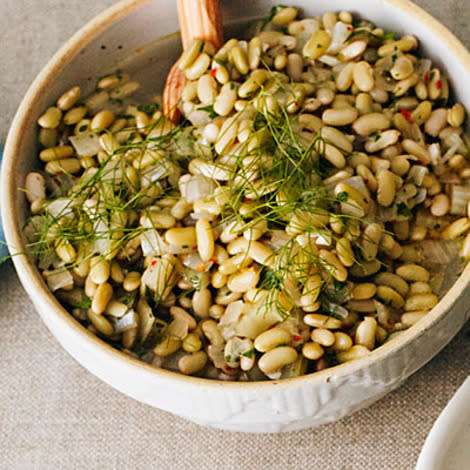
(178, 275)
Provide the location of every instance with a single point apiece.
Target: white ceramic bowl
(122, 36)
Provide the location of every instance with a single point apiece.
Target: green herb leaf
(403, 209)
(85, 303)
(250, 353)
(209, 109)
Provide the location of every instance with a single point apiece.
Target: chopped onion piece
(230, 318)
(58, 278)
(339, 34)
(86, 144)
(417, 174)
(126, 322)
(61, 207)
(459, 199)
(178, 328)
(435, 153)
(194, 187)
(335, 309)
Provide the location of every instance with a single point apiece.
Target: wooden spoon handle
(200, 19)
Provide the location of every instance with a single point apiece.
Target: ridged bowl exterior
(127, 30)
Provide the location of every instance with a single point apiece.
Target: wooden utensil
(199, 19)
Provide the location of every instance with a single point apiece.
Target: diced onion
(86, 144)
(126, 322)
(194, 187)
(58, 278)
(459, 199)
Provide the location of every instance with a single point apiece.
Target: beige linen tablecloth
(56, 415)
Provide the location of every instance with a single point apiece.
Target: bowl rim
(36, 287)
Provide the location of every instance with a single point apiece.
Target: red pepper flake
(426, 77)
(350, 28)
(194, 248)
(57, 181)
(213, 260)
(154, 262)
(213, 73)
(228, 368)
(247, 199)
(296, 337)
(58, 173)
(406, 114)
(439, 84)
(272, 326)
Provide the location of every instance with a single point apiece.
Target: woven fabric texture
(55, 414)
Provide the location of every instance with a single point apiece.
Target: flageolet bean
(131, 281)
(343, 341)
(365, 269)
(75, 116)
(35, 186)
(102, 296)
(363, 76)
(413, 272)
(317, 45)
(192, 363)
(456, 229)
(198, 67)
(390, 296)
(275, 359)
(410, 318)
(419, 287)
(181, 236)
(51, 118)
(345, 252)
(402, 68)
(167, 346)
(69, 98)
(329, 20)
(393, 281)
(243, 281)
(364, 291)
(370, 241)
(369, 123)
(421, 302)
(116, 309)
(440, 205)
(436, 122)
(385, 187)
(344, 79)
(284, 16)
(271, 339)
(192, 343)
(101, 323)
(456, 115)
(312, 351)
(322, 321)
(99, 269)
(339, 117)
(365, 333)
(355, 352)
(202, 300)
(323, 336)
(239, 59)
(102, 120)
(363, 306)
(333, 265)
(183, 316)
